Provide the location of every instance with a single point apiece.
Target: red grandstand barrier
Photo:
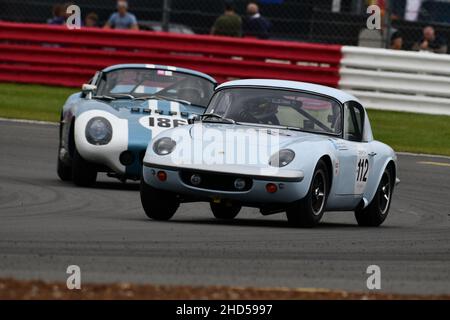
(55, 55)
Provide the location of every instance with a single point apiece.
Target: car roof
(340, 95)
(159, 67)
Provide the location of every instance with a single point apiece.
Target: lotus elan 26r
(279, 146)
(107, 126)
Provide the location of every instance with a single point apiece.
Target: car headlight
(282, 158)
(164, 146)
(98, 131)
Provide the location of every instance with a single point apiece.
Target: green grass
(34, 102)
(412, 132)
(403, 131)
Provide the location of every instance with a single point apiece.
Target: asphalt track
(46, 225)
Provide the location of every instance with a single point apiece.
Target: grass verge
(403, 131)
(33, 102)
(412, 132)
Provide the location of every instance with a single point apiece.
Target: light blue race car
(279, 146)
(107, 126)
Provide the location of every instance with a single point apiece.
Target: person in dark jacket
(430, 41)
(59, 15)
(255, 25)
(229, 24)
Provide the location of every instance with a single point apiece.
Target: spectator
(431, 42)
(256, 25)
(229, 24)
(91, 20)
(59, 15)
(122, 19)
(396, 41)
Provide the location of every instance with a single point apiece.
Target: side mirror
(193, 119)
(88, 89)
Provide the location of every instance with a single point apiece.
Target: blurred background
(321, 21)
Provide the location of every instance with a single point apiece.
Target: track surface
(46, 225)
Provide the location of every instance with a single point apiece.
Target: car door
(355, 154)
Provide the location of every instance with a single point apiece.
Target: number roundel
(363, 170)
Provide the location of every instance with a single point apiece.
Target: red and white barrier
(382, 79)
(397, 80)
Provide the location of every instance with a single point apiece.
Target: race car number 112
(166, 122)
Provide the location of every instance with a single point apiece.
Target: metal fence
(323, 21)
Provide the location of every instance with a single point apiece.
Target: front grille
(215, 181)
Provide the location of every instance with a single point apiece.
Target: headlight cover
(98, 131)
(164, 146)
(282, 158)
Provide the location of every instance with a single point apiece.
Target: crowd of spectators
(252, 24)
(121, 19)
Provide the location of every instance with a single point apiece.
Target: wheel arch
(389, 163)
(327, 160)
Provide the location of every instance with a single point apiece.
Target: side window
(353, 121)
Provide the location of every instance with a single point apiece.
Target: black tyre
(225, 211)
(308, 211)
(158, 204)
(84, 173)
(376, 212)
(64, 171)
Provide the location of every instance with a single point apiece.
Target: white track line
(423, 155)
(46, 123)
(56, 123)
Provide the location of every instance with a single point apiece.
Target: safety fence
(397, 80)
(380, 78)
(35, 53)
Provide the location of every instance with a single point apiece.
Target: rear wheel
(226, 210)
(376, 212)
(308, 211)
(84, 173)
(158, 204)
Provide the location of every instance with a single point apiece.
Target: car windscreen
(293, 109)
(153, 82)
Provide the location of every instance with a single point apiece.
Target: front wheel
(64, 171)
(225, 211)
(158, 204)
(308, 211)
(84, 173)
(376, 212)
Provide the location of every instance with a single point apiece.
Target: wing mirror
(88, 89)
(192, 119)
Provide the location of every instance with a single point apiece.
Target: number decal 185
(166, 122)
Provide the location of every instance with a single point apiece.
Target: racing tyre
(376, 212)
(83, 172)
(308, 211)
(158, 204)
(64, 171)
(225, 211)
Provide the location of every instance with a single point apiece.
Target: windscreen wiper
(123, 96)
(217, 116)
(103, 97)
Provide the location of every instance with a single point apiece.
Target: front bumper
(290, 188)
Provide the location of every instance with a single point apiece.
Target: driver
(261, 111)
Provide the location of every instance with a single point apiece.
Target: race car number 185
(159, 124)
(166, 122)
